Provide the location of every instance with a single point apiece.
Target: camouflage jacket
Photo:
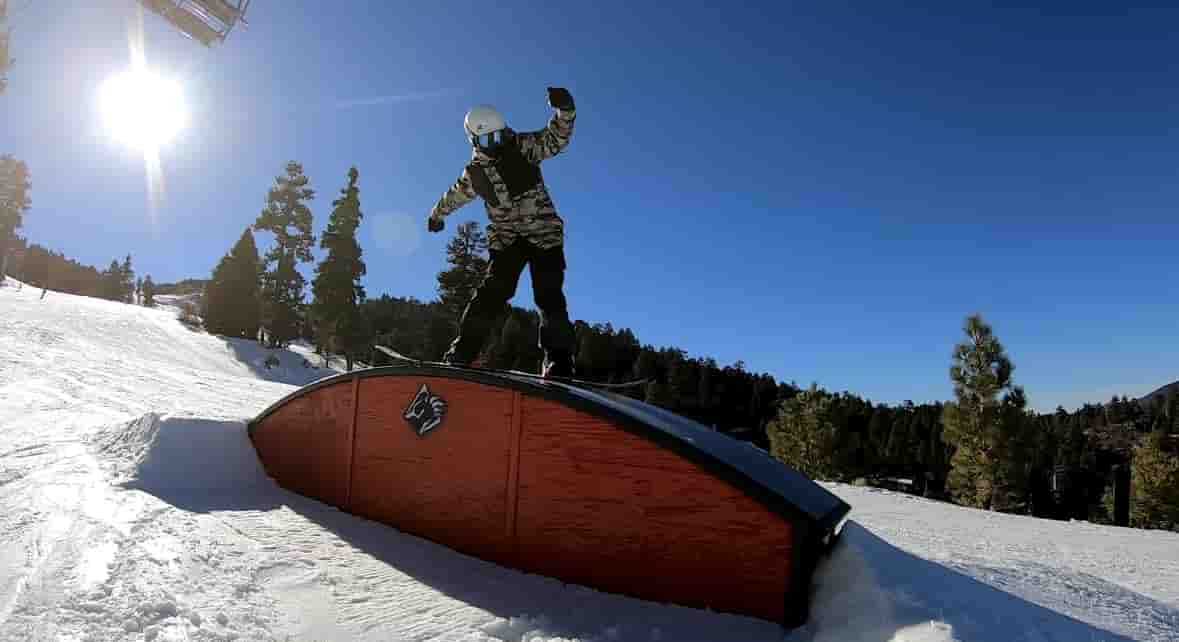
(512, 188)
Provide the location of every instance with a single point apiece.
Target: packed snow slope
(132, 507)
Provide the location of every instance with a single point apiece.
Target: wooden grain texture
(280, 440)
(352, 444)
(513, 467)
(449, 485)
(606, 508)
(306, 444)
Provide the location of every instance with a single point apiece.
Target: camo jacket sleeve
(550, 141)
(457, 196)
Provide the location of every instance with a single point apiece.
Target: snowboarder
(525, 229)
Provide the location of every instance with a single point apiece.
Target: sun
(142, 109)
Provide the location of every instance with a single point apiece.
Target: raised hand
(560, 98)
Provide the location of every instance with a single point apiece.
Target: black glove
(435, 224)
(560, 98)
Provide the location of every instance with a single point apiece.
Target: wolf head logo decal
(425, 412)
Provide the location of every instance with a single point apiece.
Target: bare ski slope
(132, 507)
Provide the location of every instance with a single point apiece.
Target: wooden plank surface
(351, 445)
(513, 467)
(306, 444)
(449, 485)
(280, 440)
(603, 507)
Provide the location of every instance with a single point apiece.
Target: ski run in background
(132, 507)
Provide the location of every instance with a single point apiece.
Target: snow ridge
(155, 453)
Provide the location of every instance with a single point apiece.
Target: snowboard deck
(519, 373)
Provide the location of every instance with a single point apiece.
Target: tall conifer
(337, 289)
(467, 255)
(986, 429)
(288, 217)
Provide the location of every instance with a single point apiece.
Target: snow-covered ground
(132, 507)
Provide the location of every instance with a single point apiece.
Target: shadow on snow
(924, 591)
(278, 365)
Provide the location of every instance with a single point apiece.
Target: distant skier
(525, 228)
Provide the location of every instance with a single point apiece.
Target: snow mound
(180, 453)
(850, 604)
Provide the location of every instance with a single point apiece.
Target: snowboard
(518, 373)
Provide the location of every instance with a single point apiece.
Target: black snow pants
(547, 269)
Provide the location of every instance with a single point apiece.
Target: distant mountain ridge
(187, 286)
(1162, 392)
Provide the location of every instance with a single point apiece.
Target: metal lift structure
(206, 21)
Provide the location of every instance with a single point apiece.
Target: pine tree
(149, 291)
(467, 255)
(112, 282)
(978, 423)
(897, 452)
(803, 436)
(14, 195)
(681, 381)
(288, 217)
(1014, 448)
(646, 365)
(232, 301)
(1161, 424)
(352, 335)
(879, 430)
(591, 352)
(1072, 442)
(138, 290)
(247, 287)
(506, 351)
(127, 281)
(658, 394)
(1154, 486)
(848, 414)
(704, 390)
(337, 288)
(217, 304)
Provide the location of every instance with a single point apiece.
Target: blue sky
(822, 190)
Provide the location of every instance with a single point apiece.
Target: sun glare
(142, 109)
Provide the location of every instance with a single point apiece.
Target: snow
(156, 454)
(1009, 577)
(132, 507)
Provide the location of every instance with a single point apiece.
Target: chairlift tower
(206, 21)
(5, 61)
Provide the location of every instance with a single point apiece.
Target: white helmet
(483, 119)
